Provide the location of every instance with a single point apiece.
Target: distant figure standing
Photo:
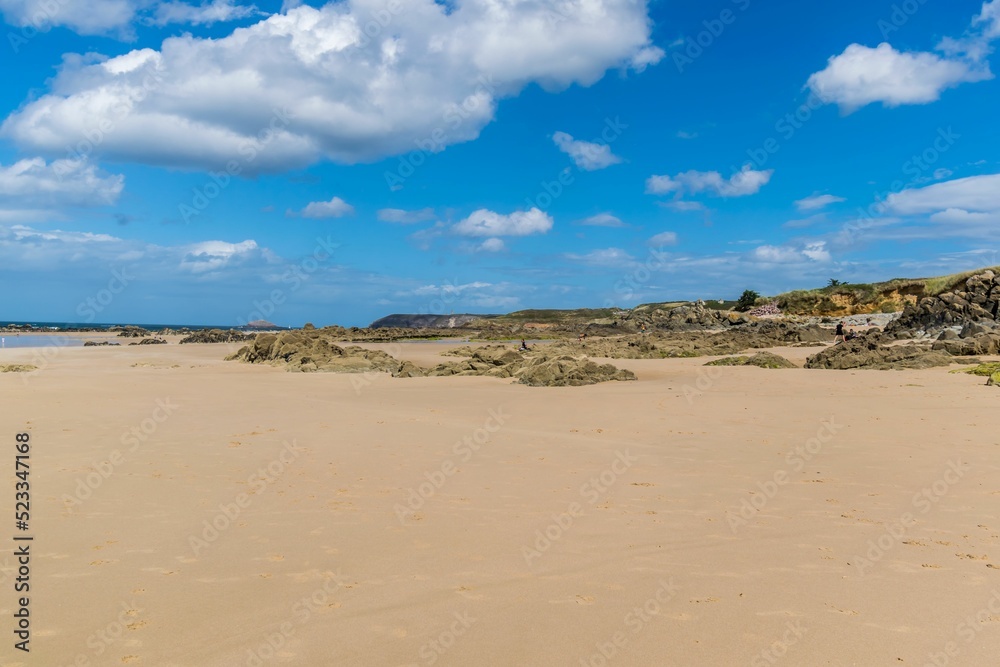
(524, 346)
(839, 337)
(643, 328)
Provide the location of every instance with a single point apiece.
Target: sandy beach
(192, 511)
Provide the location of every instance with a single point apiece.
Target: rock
(217, 336)
(130, 332)
(983, 344)
(761, 360)
(150, 341)
(975, 301)
(92, 343)
(868, 351)
(308, 352)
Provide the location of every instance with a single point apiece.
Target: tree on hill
(747, 300)
(834, 283)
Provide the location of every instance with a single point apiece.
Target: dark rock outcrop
(870, 351)
(217, 336)
(977, 300)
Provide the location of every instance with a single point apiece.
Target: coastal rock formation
(309, 352)
(217, 336)
(130, 332)
(761, 360)
(976, 300)
(150, 341)
(870, 351)
(94, 343)
(991, 371)
(755, 335)
(312, 351)
(539, 368)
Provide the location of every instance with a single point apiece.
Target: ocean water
(9, 340)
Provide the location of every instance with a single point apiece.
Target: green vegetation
(747, 300)
(834, 283)
(989, 370)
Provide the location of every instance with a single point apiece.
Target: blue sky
(221, 162)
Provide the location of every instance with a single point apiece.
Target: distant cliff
(425, 321)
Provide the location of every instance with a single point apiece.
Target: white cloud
(684, 206)
(217, 11)
(327, 90)
(34, 183)
(662, 239)
(586, 155)
(975, 194)
(603, 220)
(335, 208)
(745, 182)
(402, 217)
(811, 252)
(816, 202)
(964, 207)
(211, 256)
(989, 19)
(87, 18)
(492, 245)
(862, 75)
(520, 223)
(614, 258)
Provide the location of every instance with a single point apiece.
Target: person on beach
(524, 346)
(839, 337)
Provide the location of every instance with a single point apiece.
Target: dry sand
(333, 559)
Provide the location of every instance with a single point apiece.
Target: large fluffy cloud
(862, 75)
(351, 81)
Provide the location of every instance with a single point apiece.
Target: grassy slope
(888, 296)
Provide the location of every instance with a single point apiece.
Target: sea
(52, 339)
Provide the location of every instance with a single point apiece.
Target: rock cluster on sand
(130, 332)
(761, 360)
(755, 335)
(217, 336)
(311, 351)
(150, 341)
(18, 368)
(307, 351)
(688, 318)
(94, 343)
(870, 351)
(538, 368)
(976, 300)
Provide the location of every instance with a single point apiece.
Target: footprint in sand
(137, 625)
(584, 599)
(929, 565)
(972, 557)
(129, 659)
(700, 600)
